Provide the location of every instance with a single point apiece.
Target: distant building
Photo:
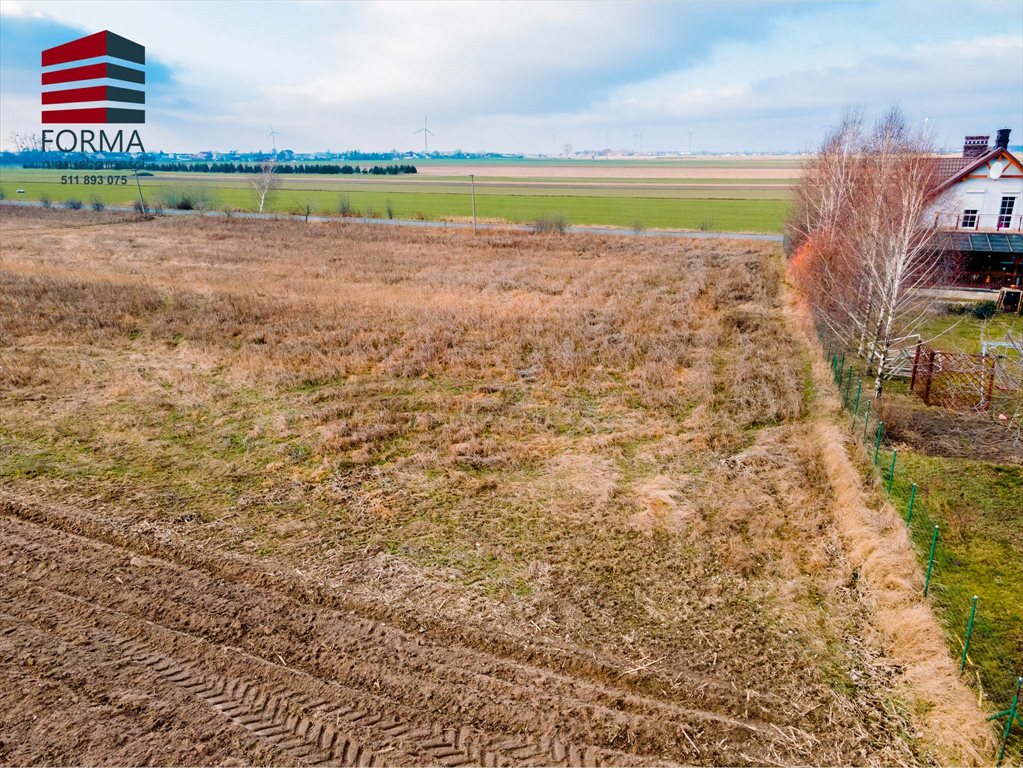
(980, 213)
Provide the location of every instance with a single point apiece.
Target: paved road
(454, 225)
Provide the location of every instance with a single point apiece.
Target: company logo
(94, 80)
(70, 80)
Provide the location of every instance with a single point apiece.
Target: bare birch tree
(265, 183)
(867, 249)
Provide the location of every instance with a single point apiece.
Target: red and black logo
(73, 101)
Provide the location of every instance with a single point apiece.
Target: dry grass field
(523, 500)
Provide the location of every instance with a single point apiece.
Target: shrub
(97, 204)
(984, 310)
(344, 206)
(706, 226)
(638, 226)
(46, 201)
(550, 224)
(187, 199)
(306, 209)
(73, 204)
(389, 207)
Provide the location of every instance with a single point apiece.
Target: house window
(1005, 211)
(969, 219)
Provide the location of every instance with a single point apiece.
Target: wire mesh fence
(963, 383)
(953, 379)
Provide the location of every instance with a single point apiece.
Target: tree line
(281, 168)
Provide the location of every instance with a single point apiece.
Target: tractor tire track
(329, 687)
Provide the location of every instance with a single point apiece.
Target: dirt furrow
(455, 687)
(517, 655)
(517, 661)
(313, 721)
(71, 698)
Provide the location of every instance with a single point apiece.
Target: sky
(534, 76)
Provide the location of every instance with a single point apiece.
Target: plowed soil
(119, 656)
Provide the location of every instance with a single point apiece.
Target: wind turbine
(427, 133)
(637, 136)
(273, 139)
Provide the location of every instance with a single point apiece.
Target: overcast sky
(530, 77)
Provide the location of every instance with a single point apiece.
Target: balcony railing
(979, 222)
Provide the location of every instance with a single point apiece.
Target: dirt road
(114, 655)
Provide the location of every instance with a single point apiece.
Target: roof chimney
(975, 146)
(1002, 140)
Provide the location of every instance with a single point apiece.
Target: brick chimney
(975, 146)
(1002, 139)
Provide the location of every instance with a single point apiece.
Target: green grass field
(742, 211)
(963, 332)
(976, 505)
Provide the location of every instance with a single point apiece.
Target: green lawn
(978, 507)
(945, 331)
(729, 215)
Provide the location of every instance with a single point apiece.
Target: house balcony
(979, 222)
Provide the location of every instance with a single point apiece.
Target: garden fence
(943, 376)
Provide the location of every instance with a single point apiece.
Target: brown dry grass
(595, 442)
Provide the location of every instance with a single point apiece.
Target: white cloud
(16, 9)
(510, 75)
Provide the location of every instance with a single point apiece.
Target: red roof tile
(946, 167)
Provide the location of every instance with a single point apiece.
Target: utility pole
(142, 200)
(472, 181)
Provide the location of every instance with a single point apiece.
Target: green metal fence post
(848, 388)
(891, 470)
(969, 631)
(930, 562)
(866, 421)
(877, 441)
(1012, 715)
(912, 498)
(856, 411)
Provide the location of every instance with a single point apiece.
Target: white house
(980, 208)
